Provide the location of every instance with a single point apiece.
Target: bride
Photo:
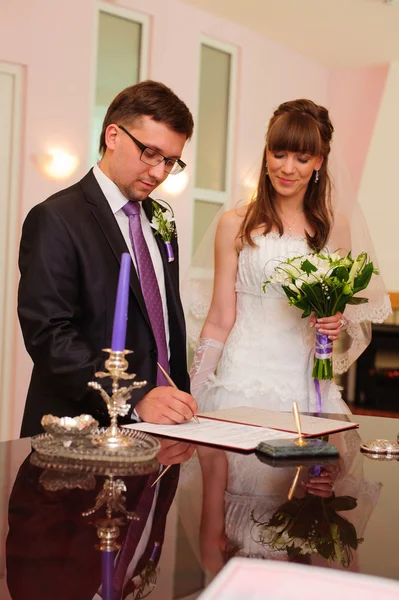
(262, 348)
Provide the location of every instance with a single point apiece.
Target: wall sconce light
(175, 184)
(56, 164)
(247, 188)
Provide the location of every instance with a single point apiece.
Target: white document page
(275, 419)
(249, 579)
(217, 433)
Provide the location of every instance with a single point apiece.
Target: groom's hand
(166, 405)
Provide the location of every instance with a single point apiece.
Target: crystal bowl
(69, 429)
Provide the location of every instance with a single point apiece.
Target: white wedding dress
(268, 357)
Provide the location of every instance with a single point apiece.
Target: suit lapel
(105, 218)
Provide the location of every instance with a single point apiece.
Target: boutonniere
(163, 222)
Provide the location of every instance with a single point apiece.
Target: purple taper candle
(107, 564)
(122, 301)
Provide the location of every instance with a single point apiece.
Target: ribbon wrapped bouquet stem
(322, 366)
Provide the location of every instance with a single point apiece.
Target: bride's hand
(330, 326)
(322, 485)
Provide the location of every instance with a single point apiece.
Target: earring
(316, 177)
(267, 172)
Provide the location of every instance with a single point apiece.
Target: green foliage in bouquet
(323, 283)
(311, 525)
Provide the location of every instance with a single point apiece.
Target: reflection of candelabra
(112, 496)
(53, 481)
(108, 529)
(108, 533)
(61, 473)
(117, 404)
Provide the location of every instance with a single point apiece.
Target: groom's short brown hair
(153, 99)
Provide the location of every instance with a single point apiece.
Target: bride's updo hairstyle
(303, 127)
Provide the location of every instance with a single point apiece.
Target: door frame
(9, 269)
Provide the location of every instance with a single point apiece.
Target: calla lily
(294, 289)
(356, 267)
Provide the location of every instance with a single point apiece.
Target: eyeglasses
(153, 157)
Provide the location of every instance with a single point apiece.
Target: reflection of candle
(154, 551)
(107, 564)
(122, 300)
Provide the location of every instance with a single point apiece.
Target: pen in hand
(172, 383)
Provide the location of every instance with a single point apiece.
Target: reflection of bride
(265, 348)
(235, 486)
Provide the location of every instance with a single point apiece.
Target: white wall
(379, 190)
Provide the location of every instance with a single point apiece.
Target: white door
(10, 149)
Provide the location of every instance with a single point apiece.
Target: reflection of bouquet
(311, 525)
(146, 581)
(324, 284)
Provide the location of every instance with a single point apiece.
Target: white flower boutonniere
(164, 224)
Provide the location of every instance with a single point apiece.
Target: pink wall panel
(354, 101)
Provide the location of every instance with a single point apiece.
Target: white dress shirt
(117, 201)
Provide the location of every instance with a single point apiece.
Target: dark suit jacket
(50, 548)
(69, 261)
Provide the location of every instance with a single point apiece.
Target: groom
(69, 260)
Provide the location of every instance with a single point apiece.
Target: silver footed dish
(381, 447)
(68, 429)
(144, 447)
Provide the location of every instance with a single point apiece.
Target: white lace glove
(206, 358)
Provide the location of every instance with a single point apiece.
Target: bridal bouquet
(311, 525)
(324, 284)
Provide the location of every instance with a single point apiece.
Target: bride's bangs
(295, 132)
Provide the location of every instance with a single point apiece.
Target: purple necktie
(149, 286)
